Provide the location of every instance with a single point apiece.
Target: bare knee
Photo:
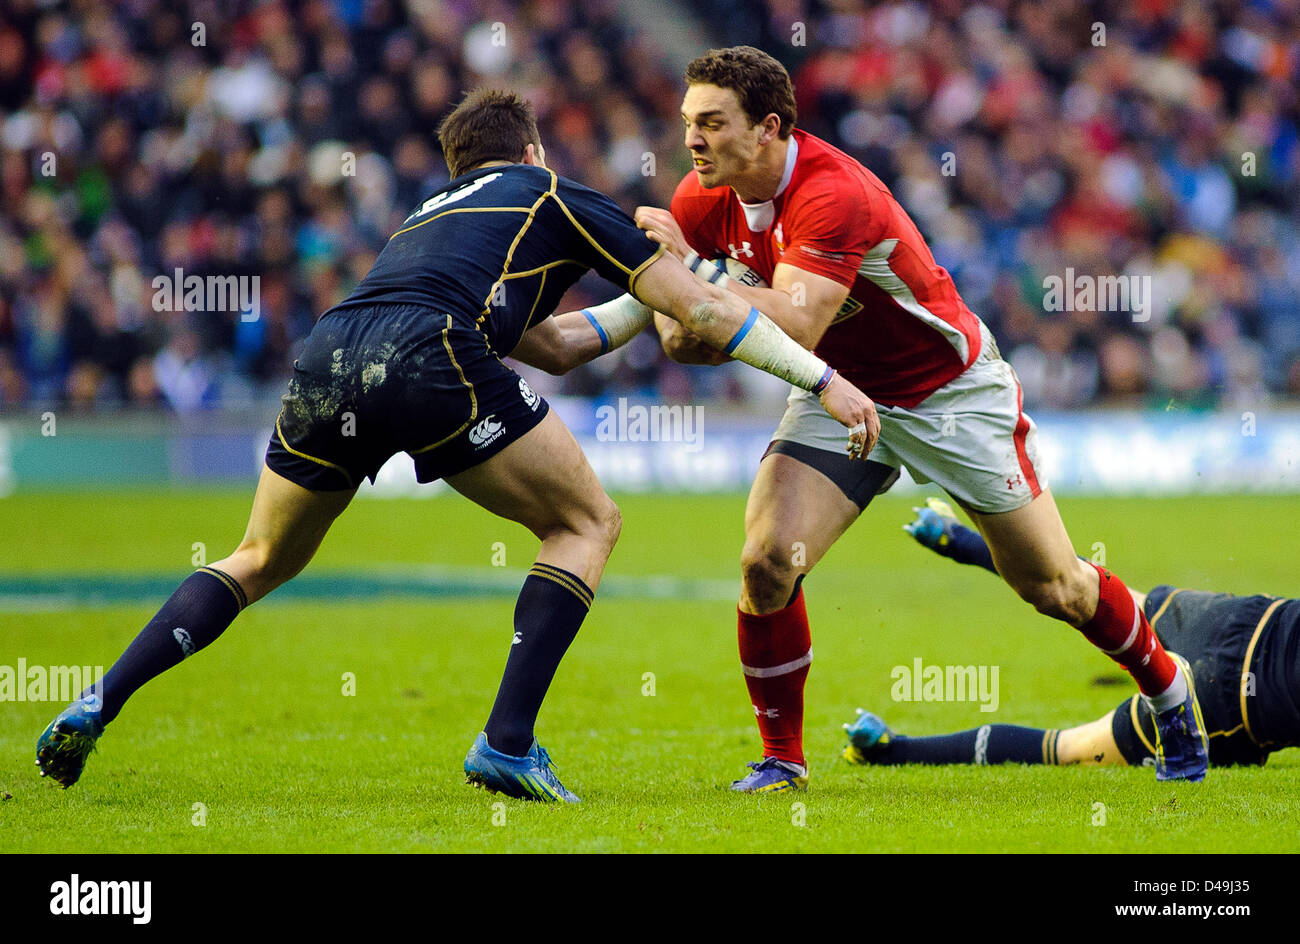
(768, 574)
(599, 525)
(258, 568)
(609, 523)
(1063, 597)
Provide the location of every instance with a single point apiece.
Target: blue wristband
(822, 384)
(744, 330)
(604, 338)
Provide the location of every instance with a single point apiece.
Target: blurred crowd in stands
(286, 140)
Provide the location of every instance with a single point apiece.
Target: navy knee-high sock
(967, 546)
(552, 605)
(205, 603)
(991, 744)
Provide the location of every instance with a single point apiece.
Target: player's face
(719, 135)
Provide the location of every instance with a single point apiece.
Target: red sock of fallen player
(1120, 629)
(775, 652)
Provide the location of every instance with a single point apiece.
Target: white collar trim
(759, 216)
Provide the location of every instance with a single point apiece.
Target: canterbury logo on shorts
(486, 431)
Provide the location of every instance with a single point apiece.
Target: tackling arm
(559, 343)
(728, 323)
(803, 304)
(685, 347)
(563, 342)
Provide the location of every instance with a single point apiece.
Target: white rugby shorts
(971, 436)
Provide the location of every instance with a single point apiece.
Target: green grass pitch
(257, 728)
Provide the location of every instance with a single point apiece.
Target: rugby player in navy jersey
(410, 362)
(1244, 653)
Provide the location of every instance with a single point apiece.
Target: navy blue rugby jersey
(499, 246)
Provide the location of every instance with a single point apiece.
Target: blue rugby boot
(62, 750)
(526, 778)
(1182, 748)
(868, 734)
(933, 523)
(771, 775)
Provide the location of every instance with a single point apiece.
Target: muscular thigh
(1033, 554)
(1030, 544)
(791, 501)
(808, 491)
(793, 516)
(543, 481)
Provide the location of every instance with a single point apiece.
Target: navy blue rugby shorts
(372, 382)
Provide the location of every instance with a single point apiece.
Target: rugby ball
(742, 273)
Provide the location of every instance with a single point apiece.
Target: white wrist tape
(706, 270)
(619, 321)
(760, 343)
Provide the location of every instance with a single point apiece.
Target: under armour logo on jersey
(1013, 482)
(186, 643)
(766, 712)
(530, 396)
(487, 430)
(519, 637)
(744, 249)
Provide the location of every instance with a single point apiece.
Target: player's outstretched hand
(660, 226)
(855, 410)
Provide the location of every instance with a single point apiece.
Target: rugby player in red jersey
(852, 278)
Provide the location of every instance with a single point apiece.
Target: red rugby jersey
(903, 331)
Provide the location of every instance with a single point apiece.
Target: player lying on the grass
(852, 278)
(409, 362)
(1244, 653)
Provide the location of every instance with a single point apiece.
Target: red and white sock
(1120, 629)
(775, 653)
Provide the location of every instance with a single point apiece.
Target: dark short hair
(759, 81)
(487, 125)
